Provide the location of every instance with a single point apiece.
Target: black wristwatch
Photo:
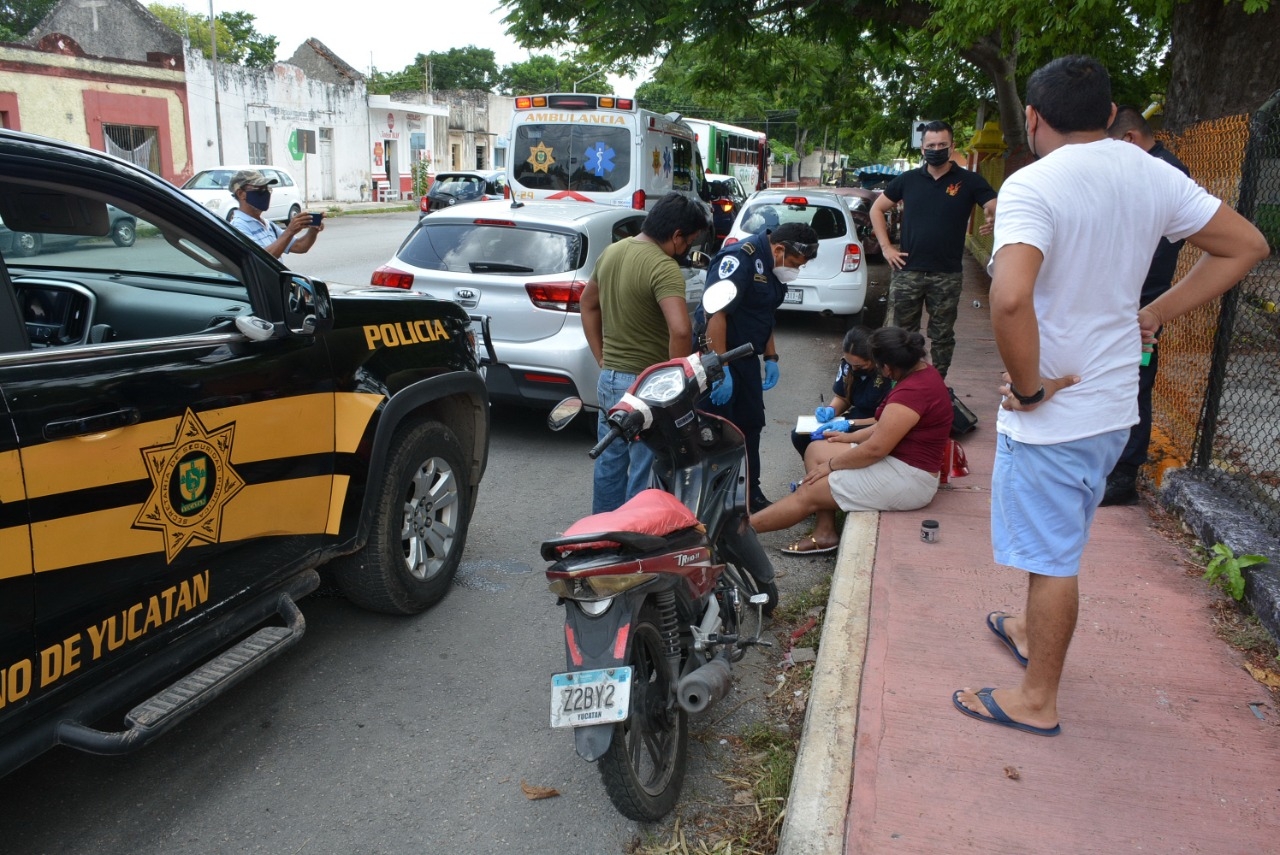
(771, 357)
(1027, 400)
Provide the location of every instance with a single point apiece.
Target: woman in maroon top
(892, 465)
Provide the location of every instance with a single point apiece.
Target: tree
(1223, 62)
(248, 46)
(1001, 39)
(19, 17)
(239, 42)
(543, 73)
(468, 67)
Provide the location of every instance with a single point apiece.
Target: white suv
(833, 283)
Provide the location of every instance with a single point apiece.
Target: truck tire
(421, 514)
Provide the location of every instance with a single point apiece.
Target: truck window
(586, 159)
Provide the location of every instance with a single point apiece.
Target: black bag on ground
(962, 418)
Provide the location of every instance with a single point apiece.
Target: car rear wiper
(498, 267)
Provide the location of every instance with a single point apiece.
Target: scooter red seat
(651, 512)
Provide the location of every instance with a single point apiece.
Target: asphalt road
(413, 735)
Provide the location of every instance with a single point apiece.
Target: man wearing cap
(760, 266)
(252, 190)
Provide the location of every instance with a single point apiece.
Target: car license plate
(590, 697)
(794, 295)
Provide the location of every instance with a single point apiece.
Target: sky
(387, 34)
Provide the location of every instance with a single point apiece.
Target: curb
(818, 805)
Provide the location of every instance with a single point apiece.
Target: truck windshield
(582, 158)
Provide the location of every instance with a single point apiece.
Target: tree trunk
(1001, 66)
(1222, 62)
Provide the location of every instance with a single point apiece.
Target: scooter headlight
(662, 386)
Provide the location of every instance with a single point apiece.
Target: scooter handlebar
(737, 353)
(600, 446)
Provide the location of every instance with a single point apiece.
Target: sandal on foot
(999, 716)
(995, 623)
(800, 548)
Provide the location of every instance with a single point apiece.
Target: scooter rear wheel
(644, 767)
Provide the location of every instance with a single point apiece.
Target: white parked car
(833, 283)
(209, 188)
(523, 270)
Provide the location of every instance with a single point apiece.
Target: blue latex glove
(841, 425)
(824, 414)
(770, 375)
(722, 391)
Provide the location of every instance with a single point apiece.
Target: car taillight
(424, 205)
(725, 205)
(556, 296)
(506, 191)
(729, 240)
(852, 258)
(795, 200)
(389, 277)
(637, 200)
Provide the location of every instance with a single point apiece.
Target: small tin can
(929, 531)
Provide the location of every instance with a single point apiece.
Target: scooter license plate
(579, 698)
(794, 295)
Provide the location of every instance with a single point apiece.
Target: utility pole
(217, 105)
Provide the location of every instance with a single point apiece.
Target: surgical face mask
(786, 274)
(260, 199)
(937, 156)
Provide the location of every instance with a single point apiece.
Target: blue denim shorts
(1043, 498)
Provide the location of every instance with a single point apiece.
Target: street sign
(917, 132)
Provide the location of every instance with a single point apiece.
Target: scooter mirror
(563, 413)
(718, 296)
(699, 260)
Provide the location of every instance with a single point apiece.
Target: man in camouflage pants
(938, 199)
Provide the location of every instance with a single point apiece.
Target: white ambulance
(599, 148)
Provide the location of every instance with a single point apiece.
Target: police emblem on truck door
(191, 481)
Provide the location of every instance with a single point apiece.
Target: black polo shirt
(935, 213)
(1165, 260)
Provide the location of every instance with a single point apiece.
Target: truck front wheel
(419, 527)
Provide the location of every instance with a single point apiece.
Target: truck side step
(171, 705)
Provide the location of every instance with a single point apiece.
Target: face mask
(937, 156)
(260, 199)
(786, 274)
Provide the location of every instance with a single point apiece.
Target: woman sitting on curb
(892, 465)
(856, 393)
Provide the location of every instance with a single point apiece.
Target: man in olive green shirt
(634, 315)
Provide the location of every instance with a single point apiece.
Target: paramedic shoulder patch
(728, 264)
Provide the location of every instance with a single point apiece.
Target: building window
(133, 143)
(259, 143)
(480, 153)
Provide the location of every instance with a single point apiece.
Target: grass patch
(762, 755)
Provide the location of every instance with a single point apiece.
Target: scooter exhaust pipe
(705, 686)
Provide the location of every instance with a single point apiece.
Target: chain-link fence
(1227, 381)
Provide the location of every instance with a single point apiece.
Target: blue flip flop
(997, 626)
(998, 715)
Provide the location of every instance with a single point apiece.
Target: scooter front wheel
(643, 769)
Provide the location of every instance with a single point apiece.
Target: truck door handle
(98, 423)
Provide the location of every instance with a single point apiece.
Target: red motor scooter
(662, 595)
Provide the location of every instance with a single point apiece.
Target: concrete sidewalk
(1167, 744)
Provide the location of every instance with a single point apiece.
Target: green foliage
(1225, 569)
(467, 67)
(239, 42)
(859, 72)
(543, 73)
(420, 171)
(18, 17)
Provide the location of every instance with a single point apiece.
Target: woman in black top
(858, 388)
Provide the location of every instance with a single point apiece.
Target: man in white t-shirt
(1072, 245)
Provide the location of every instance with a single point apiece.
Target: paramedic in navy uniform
(760, 266)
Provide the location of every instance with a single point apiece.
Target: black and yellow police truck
(187, 432)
